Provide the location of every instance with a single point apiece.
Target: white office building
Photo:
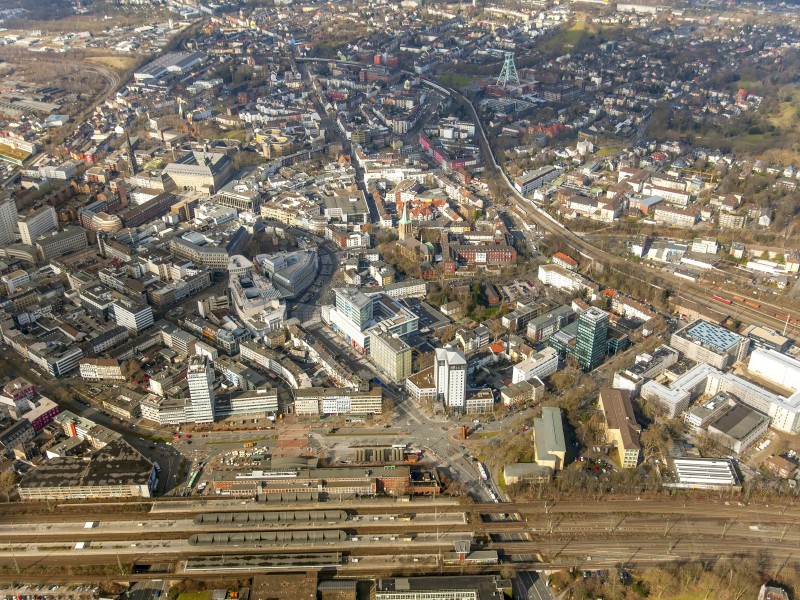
(200, 377)
(539, 365)
(450, 378)
(705, 379)
(37, 223)
(132, 315)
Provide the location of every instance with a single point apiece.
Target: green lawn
(206, 595)
(456, 81)
(565, 37)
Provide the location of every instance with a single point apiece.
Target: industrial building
(702, 473)
(738, 427)
(549, 447)
(115, 471)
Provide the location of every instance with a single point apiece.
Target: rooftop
(619, 415)
(117, 464)
(548, 433)
(710, 335)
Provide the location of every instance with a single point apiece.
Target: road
(531, 585)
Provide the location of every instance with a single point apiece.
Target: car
(188, 436)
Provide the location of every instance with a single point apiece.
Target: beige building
(549, 446)
(622, 430)
(204, 172)
(391, 354)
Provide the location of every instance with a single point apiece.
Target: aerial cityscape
(399, 300)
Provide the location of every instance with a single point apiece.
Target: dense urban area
(399, 300)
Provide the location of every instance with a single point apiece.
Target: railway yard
(196, 537)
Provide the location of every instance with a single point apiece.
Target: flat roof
(117, 464)
(739, 422)
(710, 335)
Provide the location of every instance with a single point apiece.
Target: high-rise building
(355, 306)
(391, 354)
(450, 378)
(8, 221)
(200, 376)
(37, 223)
(591, 339)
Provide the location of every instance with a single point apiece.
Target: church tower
(405, 228)
(131, 156)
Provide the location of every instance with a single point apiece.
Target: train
(758, 306)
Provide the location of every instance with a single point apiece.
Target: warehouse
(703, 473)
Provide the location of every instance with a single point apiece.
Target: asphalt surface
(531, 585)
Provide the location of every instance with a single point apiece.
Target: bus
(193, 479)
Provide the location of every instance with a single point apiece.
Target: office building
(542, 327)
(8, 221)
(705, 379)
(354, 306)
(591, 339)
(101, 369)
(776, 367)
(200, 376)
(37, 223)
(622, 430)
(290, 272)
(133, 315)
(450, 378)
(699, 416)
(204, 172)
(541, 364)
(59, 243)
(391, 354)
(549, 447)
(704, 342)
(646, 366)
(337, 401)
